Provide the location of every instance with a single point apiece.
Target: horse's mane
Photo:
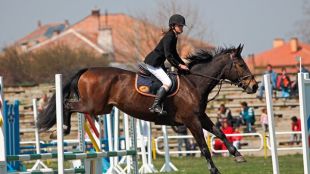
(201, 56)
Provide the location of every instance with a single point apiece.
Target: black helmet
(177, 19)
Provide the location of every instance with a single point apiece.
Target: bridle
(238, 82)
(239, 79)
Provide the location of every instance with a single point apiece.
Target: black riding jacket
(166, 49)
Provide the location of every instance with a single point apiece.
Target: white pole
(2, 132)
(110, 142)
(59, 113)
(273, 143)
(133, 144)
(98, 161)
(303, 80)
(144, 168)
(116, 128)
(82, 147)
(300, 64)
(168, 166)
(36, 131)
(149, 147)
(127, 139)
(39, 164)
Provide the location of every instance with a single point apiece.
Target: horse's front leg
(208, 125)
(195, 127)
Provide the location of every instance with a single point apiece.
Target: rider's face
(178, 28)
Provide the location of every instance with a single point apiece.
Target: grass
(290, 164)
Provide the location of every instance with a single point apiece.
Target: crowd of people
(230, 124)
(281, 82)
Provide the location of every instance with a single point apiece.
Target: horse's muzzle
(252, 87)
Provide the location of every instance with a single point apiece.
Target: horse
(96, 90)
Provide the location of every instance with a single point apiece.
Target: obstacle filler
(60, 155)
(112, 128)
(304, 100)
(11, 123)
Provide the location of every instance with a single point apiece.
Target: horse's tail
(47, 118)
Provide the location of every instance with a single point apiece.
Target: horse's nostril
(255, 87)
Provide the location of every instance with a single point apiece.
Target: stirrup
(158, 109)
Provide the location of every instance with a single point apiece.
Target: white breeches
(161, 75)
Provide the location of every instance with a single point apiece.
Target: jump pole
(144, 168)
(168, 166)
(273, 142)
(39, 165)
(59, 120)
(2, 133)
(149, 147)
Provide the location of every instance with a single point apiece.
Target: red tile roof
(282, 55)
(38, 33)
(132, 38)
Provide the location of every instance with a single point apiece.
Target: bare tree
(145, 33)
(303, 26)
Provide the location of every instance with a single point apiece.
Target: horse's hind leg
(195, 127)
(209, 126)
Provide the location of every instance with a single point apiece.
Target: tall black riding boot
(157, 106)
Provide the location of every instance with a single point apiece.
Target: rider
(166, 49)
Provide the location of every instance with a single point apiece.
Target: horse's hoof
(240, 159)
(53, 135)
(215, 171)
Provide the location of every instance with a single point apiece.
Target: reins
(217, 79)
(239, 83)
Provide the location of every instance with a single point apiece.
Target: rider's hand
(183, 67)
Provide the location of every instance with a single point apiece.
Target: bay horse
(96, 90)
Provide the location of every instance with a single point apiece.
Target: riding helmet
(177, 19)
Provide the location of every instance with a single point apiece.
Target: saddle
(147, 84)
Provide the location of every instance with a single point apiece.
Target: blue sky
(254, 23)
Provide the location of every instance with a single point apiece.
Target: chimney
(277, 42)
(105, 40)
(67, 24)
(106, 17)
(95, 12)
(39, 24)
(24, 47)
(294, 45)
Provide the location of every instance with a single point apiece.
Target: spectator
(218, 144)
(296, 126)
(42, 103)
(223, 114)
(294, 84)
(264, 120)
(236, 139)
(284, 83)
(273, 77)
(182, 130)
(248, 116)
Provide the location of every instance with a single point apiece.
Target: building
(123, 38)
(282, 54)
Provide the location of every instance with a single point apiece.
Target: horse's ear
(239, 49)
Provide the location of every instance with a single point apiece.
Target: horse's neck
(213, 72)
